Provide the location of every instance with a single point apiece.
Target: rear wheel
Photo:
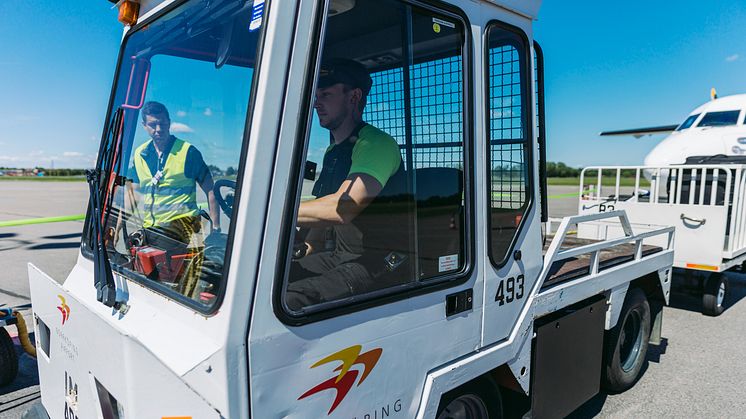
(476, 400)
(8, 358)
(626, 345)
(713, 298)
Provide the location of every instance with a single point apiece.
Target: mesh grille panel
(385, 108)
(508, 165)
(436, 99)
(437, 122)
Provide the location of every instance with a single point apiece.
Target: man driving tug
(339, 257)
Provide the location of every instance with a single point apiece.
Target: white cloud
(9, 158)
(208, 112)
(180, 127)
(181, 114)
(72, 154)
(732, 58)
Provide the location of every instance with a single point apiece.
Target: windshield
(688, 122)
(719, 119)
(178, 114)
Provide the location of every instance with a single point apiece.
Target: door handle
(693, 220)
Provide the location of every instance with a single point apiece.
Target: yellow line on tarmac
(42, 220)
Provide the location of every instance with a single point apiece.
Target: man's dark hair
(154, 108)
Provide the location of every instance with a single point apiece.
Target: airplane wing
(641, 132)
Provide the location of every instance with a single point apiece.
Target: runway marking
(42, 220)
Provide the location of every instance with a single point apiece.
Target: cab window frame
(399, 292)
(527, 107)
(86, 242)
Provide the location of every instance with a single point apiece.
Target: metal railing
(721, 185)
(556, 253)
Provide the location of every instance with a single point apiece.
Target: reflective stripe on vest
(175, 195)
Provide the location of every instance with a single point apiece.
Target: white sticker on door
(447, 263)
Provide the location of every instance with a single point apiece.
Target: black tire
(714, 295)
(626, 345)
(479, 399)
(8, 358)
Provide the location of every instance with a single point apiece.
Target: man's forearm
(214, 209)
(324, 212)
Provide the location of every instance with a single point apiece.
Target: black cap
(349, 72)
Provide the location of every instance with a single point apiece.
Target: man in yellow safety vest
(166, 171)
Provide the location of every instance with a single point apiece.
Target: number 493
(509, 290)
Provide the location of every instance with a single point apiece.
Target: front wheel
(8, 358)
(626, 345)
(713, 298)
(475, 400)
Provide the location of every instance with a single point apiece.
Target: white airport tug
(249, 253)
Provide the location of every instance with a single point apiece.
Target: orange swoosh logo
(64, 309)
(343, 382)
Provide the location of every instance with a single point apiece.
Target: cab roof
(528, 8)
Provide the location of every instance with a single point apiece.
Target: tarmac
(697, 371)
(52, 247)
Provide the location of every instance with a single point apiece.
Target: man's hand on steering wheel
(225, 202)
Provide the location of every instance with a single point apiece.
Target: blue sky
(57, 62)
(609, 65)
(631, 64)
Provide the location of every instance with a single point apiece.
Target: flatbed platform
(576, 267)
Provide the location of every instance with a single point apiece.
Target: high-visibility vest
(174, 195)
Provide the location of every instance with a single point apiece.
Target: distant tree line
(561, 170)
(216, 171)
(48, 172)
(62, 172)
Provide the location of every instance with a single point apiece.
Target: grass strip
(42, 220)
(563, 195)
(593, 180)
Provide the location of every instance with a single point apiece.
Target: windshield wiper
(100, 185)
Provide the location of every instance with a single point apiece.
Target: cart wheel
(8, 358)
(626, 345)
(713, 298)
(472, 401)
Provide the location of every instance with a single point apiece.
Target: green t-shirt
(375, 153)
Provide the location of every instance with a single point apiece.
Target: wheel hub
(721, 294)
(467, 406)
(630, 341)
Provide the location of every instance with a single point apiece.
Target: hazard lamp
(128, 11)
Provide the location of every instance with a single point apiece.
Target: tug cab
(464, 306)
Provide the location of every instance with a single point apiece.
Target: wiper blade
(103, 278)
(100, 185)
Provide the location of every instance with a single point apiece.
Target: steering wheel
(225, 201)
